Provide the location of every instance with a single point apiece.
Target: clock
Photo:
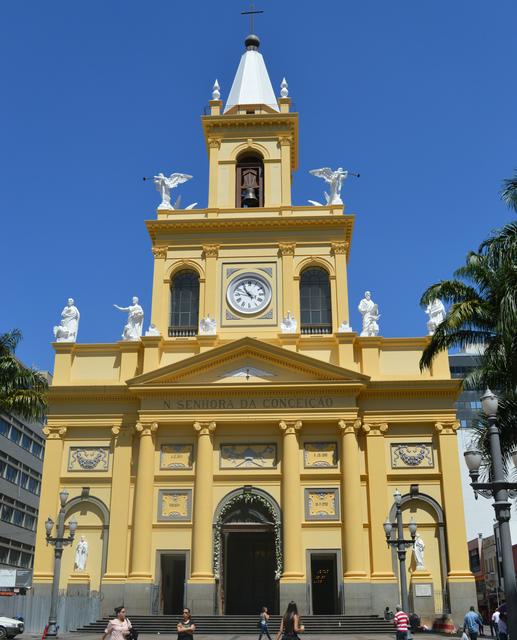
(248, 293)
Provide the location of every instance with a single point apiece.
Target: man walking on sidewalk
(401, 622)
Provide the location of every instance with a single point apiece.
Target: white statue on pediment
(67, 329)
(165, 184)
(335, 179)
(370, 312)
(207, 326)
(135, 320)
(436, 315)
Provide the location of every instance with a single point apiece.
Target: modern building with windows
(21, 461)
(248, 454)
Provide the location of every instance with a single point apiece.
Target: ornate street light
(401, 544)
(500, 489)
(59, 542)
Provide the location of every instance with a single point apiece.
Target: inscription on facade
(175, 505)
(248, 456)
(176, 456)
(319, 454)
(258, 402)
(322, 504)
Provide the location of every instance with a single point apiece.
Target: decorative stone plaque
(423, 590)
(88, 459)
(175, 505)
(410, 455)
(320, 455)
(248, 456)
(176, 456)
(321, 504)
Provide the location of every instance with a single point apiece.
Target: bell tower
(253, 143)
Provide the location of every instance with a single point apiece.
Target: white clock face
(249, 293)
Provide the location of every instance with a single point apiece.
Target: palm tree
(483, 312)
(23, 391)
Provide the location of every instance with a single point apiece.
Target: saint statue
(436, 313)
(135, 320)
(418, 550)
(164, 185)
(335, 179)
(81, 554)
(370, 312)
(67, 329)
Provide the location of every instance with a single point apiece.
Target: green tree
(483, 311)
(23, 390)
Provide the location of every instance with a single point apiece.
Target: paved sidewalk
(166, 636)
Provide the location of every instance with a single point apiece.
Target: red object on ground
(45, 631)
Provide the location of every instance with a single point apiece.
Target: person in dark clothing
(186, 627)
(290, 626)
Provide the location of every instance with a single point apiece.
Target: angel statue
(335, 179)
(164, 185)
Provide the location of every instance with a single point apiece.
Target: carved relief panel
(318, 455)
(175, 505)
(176, 456)
(410, 455)
(248, 456)
(88, 458)
(321, 504)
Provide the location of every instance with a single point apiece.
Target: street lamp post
(59, 542)
(401, 546)
(499, 489)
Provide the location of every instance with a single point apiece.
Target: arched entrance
(247, 551)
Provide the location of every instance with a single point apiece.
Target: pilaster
(49, 498)
(354, 564)
(339, 250)
(116, 565)
(286, 251)
(214, 144)
(129, 358)
(160, 290)
(210, 255)
(380, 555)
(291, 509)
(144, 504)
(285, 154)
(202, 569)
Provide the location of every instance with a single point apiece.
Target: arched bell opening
(249, 180)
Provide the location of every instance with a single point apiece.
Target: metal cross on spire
(251, 13)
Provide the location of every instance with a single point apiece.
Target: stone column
(384, 584)
(49, 500)
(210, 254)
(144, 505)
(460, 579)
(292, 583)
(286, 250)
(201, 585)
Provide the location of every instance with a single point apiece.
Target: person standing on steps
(186, 628)
(264, 617)
(290, 626)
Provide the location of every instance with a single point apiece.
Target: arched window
(184, 303)
(249, 181)
(315, 307)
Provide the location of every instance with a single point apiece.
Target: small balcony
(316, 329)
(183, 332)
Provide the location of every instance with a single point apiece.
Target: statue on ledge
(164, 185)
(335, 179)
(370, 312)
(135, 320)
(67, 329)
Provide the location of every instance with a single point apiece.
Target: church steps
(248, 624)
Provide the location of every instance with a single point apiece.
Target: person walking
(471, 623)
(290, 626)
(120, 627)
(495, 623)
(264, 617)
(401, 623)
(186, 628)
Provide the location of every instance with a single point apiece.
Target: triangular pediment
(244, 361)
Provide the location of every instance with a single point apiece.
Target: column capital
(349, 426)
(146, 428)
(447, 428)
(284, 141)
(160, 251)
(288, 427)
(286, 248)
(204, 428)
(210, 251)
(54, 433)
(375, 428)
(338, 247)
(214, 143)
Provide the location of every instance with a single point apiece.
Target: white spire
(216, 93)
(284, 91)
(251, 84)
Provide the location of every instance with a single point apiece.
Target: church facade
(247, 453)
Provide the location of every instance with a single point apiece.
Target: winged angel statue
(335, 179)
(164, 185)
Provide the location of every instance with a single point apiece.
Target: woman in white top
(119, 627)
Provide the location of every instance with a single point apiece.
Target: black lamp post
(401, 546)
(59, 542)
(499, 488)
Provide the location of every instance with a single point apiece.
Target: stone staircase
(248, 625)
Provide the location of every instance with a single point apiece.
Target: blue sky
(419, 97)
